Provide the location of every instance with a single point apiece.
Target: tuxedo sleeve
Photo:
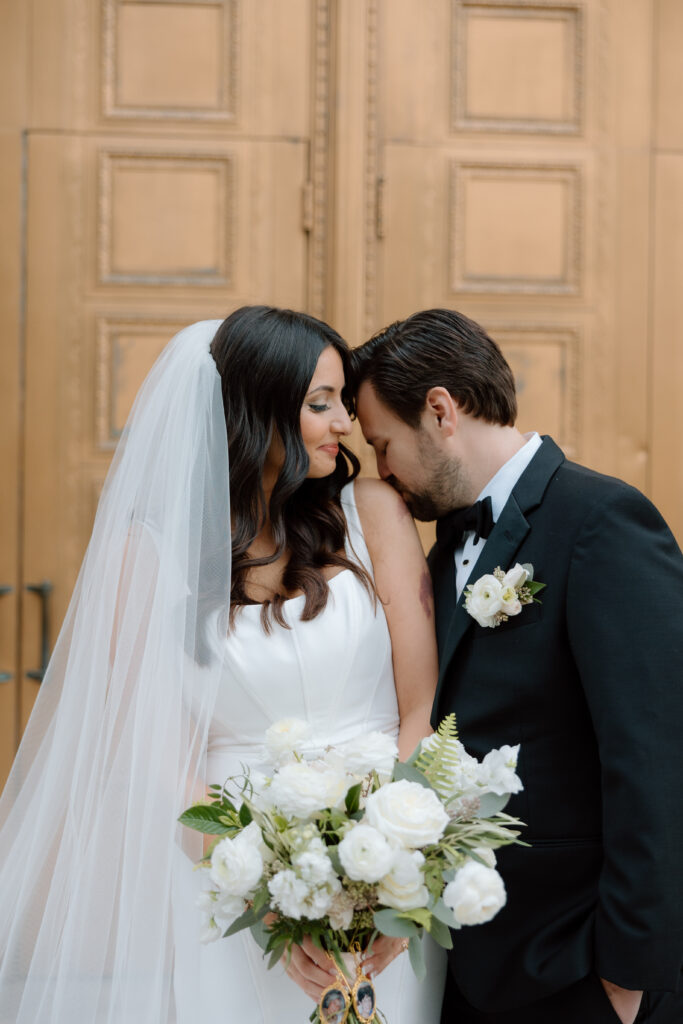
(625, 625)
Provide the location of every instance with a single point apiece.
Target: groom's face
(430, 481)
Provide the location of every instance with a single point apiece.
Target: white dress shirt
(499, 488)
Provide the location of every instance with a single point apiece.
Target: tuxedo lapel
(501, 547)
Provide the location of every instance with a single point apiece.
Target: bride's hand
(384, 950)
(310, 968)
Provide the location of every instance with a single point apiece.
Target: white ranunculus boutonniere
(498, 595)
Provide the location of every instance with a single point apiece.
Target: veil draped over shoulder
(96, 907)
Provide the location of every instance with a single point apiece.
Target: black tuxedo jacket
(590, 682)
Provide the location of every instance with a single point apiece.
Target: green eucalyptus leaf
(259, 930)
(441, 912)
(492, 803)
(246, 816)
(403, 770)
(417, 959)
(440, 933)
(245, 920)
(390, 922)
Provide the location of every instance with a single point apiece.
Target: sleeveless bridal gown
(336, 673)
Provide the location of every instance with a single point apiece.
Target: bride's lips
(331, 449)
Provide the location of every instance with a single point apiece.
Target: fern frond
(439, 757)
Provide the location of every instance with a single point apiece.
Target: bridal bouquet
(346, 843)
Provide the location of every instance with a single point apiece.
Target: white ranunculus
(286, 736)
(300, 789)
(237, 864)
(289, 893)
(476, 894)
(372, 751)
(497, 772)
(515, 577)
(365, 854)
(484, 600)
(403, 887)
(407, 813)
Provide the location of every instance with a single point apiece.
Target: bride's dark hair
(266, 358)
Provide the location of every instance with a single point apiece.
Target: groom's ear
(441, 412)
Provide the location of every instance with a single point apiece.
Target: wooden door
(174, 168)
(167, 160)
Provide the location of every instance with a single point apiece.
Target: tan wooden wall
(168, 160)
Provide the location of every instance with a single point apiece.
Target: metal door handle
(43, 590)
(5, 676)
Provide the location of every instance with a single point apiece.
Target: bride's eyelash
(318, 408)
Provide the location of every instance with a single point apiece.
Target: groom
(589, 681)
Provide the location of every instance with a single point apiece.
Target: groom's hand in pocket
(625, 1001)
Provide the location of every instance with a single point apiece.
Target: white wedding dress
(336, 673)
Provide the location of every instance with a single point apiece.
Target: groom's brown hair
(437, 348)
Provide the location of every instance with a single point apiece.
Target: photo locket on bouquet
(335, 1003)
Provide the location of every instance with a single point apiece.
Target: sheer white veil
(93, 864)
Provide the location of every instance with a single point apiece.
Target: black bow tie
(477, 517)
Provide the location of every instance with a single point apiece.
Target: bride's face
(324, 419)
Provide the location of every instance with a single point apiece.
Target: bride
(170, 667)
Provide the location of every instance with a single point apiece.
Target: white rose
(515, 577)
(373, 751)
(236, 865)
(365, 854)
(300, 789)
(496, 773)
(286, 736)
(407, 813)
(484, 600)
(403, 887)
(476, 894)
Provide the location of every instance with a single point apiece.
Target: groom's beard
(445, 485)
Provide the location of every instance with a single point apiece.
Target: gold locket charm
(363, 995)
(335, 1003)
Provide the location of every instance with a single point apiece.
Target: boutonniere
(498, 595)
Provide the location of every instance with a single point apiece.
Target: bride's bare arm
(404, 587)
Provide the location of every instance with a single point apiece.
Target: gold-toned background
(163, 161)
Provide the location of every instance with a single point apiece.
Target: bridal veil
(96, 911)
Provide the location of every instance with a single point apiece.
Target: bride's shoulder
(382, 511)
